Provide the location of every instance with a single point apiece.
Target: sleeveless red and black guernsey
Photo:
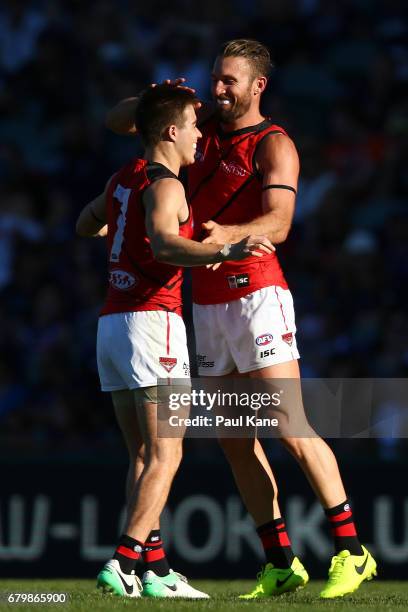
(225, 186)
(136, 280)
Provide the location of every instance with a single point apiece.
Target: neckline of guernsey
(150, 164)
(246, 130)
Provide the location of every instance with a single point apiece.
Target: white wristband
(226, 250)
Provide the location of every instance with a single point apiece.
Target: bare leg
(254, 477)
(126, 416)
(162, 459)
(312, 453)
(252, 474)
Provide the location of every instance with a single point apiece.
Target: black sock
(343, 528)
(154, 554)
(127, 553)
(276, 543)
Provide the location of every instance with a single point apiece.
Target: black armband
(94, 216)
(288, 187)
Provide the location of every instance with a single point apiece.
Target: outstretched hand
(251, 246)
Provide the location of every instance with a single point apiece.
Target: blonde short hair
(253, 51)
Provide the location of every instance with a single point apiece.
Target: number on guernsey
(122, 195)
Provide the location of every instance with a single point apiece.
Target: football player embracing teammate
(141, 336)
(244, 181)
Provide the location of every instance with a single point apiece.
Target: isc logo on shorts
(119, 279)
(264, 339)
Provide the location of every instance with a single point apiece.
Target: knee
(164, 456)
(140, 455)
(176, 456)
(137, 454)
(298, 447)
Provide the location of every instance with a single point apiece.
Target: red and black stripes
(154, 554)
(343, 528)
(276, 543)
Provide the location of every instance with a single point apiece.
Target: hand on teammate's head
(179, 82)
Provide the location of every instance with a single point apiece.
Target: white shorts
(250, 333)
(134, 349)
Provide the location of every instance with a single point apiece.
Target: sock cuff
(343, 507)
(131, 543)
(274, 525)
(154, 538)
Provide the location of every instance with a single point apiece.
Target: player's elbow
(163, 248)
(160, 252)
(116, 124)
(161, 256)
(80, 230)
(281, 235)
(112, 123)
(166, 256)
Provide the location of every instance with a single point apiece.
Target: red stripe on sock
(153, 544)
(128, 552)
(271, 540)
(153, 555)
(340, 517)
(283, 539)
(344, 530)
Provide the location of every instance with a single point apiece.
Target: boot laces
(337, 567)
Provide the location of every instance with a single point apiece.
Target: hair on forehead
(253, 51)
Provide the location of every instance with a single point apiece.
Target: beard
(237, 109)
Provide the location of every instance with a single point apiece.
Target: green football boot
(347, 572)
(275, 581)
(112, 580)
(172, 585)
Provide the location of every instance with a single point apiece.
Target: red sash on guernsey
(136, 280)
(225, 186)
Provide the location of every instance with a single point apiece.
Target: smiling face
(234, 88)
(186, 136)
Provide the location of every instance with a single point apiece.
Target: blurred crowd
(340, 88)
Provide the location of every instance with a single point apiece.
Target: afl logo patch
(264, 339)
(119, 279)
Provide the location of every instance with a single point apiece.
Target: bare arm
(121, 118)
(164, 201)
(92, 218)
(278, 162)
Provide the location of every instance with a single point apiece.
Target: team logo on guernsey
(233, 168)
(168, 363)
(119, 279)
(264, 339)
(288, 338)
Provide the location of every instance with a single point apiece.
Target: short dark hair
(158, 108)
(255, 52)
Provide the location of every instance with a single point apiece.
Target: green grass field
(83, 597)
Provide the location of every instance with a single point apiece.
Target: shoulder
(157, 172)
(167, 189)
(274, 149)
